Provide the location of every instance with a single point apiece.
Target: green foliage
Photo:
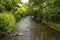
(36, 2)
(17, 16)
(57, 3)
(7, 22)
(24, 9)
(53, 15)
(8, 5)
(48, 10)
(35, 9)
(38, 15)
(21, 12)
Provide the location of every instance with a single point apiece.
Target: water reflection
(34, 31)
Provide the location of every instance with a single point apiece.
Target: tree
(8, 5)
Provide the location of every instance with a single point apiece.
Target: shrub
(53, 15)
(38, 16)
(7, 22)
(21, 12)
(17, 15)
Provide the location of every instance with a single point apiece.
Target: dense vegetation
(7, 22)
(47, 11)
(11, 11)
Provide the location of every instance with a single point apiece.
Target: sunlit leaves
(23, 10)
(25, 1)
(36, 8)
(7, 22)
(50, 1)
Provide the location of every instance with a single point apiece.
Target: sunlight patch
(24, 1)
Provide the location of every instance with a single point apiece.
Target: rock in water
(20, 34)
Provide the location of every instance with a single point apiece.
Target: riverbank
(33, 31)
(55, 26)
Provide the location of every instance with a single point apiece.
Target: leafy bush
(7, 22)
(8, 5)
(38, 15)
(21, 12)
(53, 15)
(17, 16)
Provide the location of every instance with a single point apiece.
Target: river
(32, 30)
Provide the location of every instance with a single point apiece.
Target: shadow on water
(33, 31)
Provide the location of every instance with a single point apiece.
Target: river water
(32, 30)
